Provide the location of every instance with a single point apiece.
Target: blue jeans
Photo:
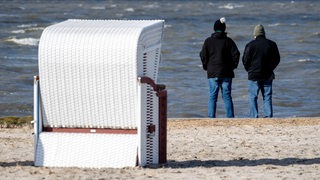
(266, 91)
(214, 85)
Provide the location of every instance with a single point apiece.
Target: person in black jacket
(219, 57)
(260, 58)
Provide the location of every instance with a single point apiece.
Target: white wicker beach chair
(96, 100)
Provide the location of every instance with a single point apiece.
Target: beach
(277, 148)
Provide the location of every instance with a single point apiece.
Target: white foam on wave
(98, 7)
(19, 31)
(34, 57)
(151, 6)
(129, 9)
(35, 29)
(231, 6)
(27, 25)
(274, 25)
(8, 15)
(26, 30)
(304, 60)
(316, 34)
(119, 14)
(24, 41)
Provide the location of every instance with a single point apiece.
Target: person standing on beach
(260, 58)
(219, 57)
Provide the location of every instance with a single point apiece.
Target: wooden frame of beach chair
(96, 102)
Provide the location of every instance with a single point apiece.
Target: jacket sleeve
(246, 58)
(203, 56)
(276, 56)
(235, 54)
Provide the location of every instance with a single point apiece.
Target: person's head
(259, 31)
(220, 25)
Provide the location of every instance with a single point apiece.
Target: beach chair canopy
(89, 71)
(90, 78)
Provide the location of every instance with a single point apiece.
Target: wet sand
(284, 148)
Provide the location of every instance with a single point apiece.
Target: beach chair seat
(97, 101)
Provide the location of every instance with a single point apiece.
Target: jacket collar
(261, 37)
(219, 34)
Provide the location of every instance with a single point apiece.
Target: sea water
(293, 25)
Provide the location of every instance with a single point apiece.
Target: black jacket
(219, 56)
(260, 58)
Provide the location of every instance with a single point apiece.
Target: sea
(293, 25)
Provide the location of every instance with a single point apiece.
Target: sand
(286, 148)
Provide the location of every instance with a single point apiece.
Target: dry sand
(197, 149)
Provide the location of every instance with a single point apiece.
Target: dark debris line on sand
(14, 122)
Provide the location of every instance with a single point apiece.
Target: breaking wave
(231, 6)
(24, 41)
